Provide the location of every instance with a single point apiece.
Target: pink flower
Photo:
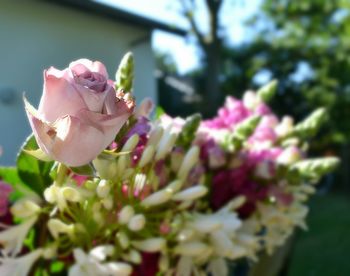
(232, 113)
(79, 112)
(5, 191)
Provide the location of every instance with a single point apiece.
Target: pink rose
(79, 113)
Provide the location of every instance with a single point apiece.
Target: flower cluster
(101, 189)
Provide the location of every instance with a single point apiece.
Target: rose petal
(94, 100)
(109, 125)
(94, 66)
(58, 90)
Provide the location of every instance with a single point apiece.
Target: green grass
(324, 250)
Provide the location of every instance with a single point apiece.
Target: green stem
(61, 174)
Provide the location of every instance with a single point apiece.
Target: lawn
(324, 250)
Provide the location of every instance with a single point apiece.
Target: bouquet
(102, 188)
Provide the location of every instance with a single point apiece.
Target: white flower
(251, 100)
(60, 195)
(150, 245)
(25, 208)
(57, 227)
(91, 264)
(12, 238)
(19, 266)
(103, 188)
(218, 267)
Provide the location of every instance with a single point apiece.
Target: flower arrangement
(101, 189)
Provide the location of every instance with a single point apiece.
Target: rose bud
(79, 113)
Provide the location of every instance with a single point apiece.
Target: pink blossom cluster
(252, 170)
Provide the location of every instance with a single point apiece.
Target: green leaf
(33, 173)
(39, 154)
(10, 176)
(87, 170)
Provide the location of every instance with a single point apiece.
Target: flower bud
(123, 240)
(289, 156)
(150, 245)
(108, 203)
(98, 218)
(266, 92)
(118, 268)
(112, 171)
(157, 198)
(121, 164)
(137, 222)
(147, 156)
(176, 160)
(71, 194)
(103, 188)
(285, 126)
(90, 185)
(251, 100)
(191, 249)
(185, 234)
(57, 227)
(165, 145)
(155, 136)
(191, 158)
(100, 253)
(131, 143)
(135, 256)
(206, 224)
(126, 214)
(234, 204)
(174, 186)
(24, 208)
(164, 263)
(51, 193)
(125, 74)
(191, 193)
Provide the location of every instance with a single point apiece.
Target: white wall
(35, 35)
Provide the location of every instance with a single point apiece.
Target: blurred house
(37, 34)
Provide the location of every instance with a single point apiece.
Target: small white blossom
(150, 245)
(137, 222)
(12, 238)
(25, 208)
(91, 264)
(126, 214)
(19, 266)
(191, 193)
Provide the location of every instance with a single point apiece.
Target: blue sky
(233, 14)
